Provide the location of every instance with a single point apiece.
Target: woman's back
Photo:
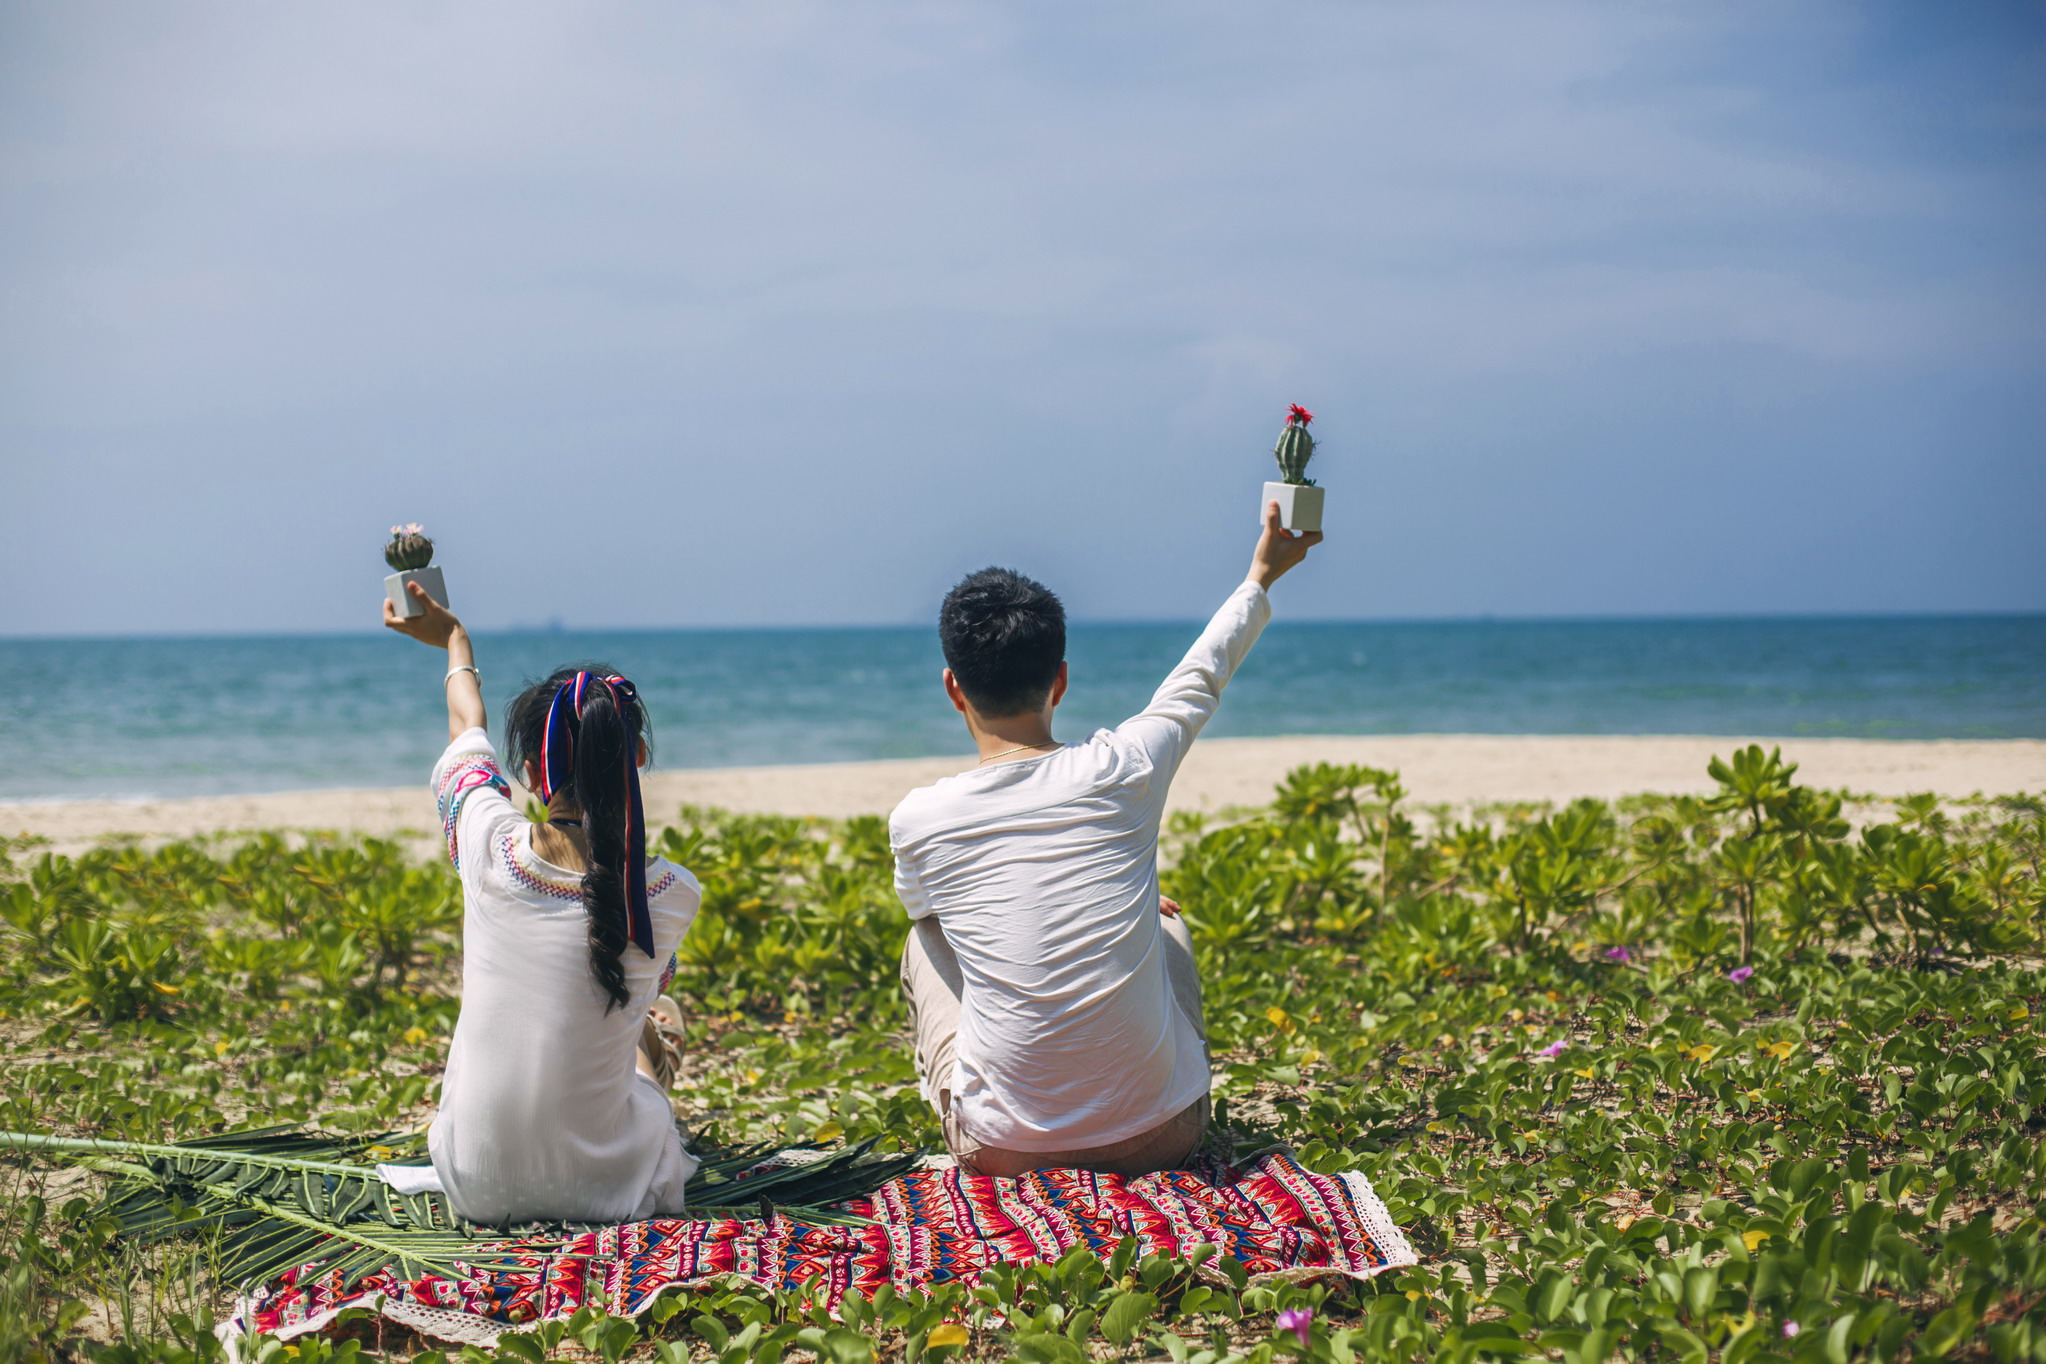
(542, 1114)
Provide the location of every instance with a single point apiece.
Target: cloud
(930, 267)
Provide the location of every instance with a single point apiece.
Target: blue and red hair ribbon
(557, 765)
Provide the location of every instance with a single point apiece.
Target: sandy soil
(1221, 772)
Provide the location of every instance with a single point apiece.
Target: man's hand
(436, 627)
(1278, 549)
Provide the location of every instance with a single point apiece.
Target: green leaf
(1043, 1348)
(523, 1345)
(1947, 1330)
(1125, 1313)
(711, 1330)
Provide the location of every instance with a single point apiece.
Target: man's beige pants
(931, 980)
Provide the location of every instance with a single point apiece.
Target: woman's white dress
(542, 1113)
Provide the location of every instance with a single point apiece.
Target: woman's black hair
(607, 737)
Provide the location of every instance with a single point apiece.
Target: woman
(554, 1105)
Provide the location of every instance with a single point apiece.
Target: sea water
(154, 717)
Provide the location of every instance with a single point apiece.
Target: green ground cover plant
(1748, 1077)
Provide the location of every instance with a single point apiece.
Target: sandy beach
(1457, 768)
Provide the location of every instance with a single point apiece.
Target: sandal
(660, 1038)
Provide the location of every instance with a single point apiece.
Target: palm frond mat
(305, 1218)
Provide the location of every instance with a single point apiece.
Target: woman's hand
(436, 626)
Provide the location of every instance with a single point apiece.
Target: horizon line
(556, 628)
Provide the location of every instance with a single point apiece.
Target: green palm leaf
(275, 1211)
(281, 1198)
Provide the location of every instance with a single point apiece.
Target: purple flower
(1553, 1049)
(1740, 973)
(1297, 1320)
(1790, 1328)
(1618, 954)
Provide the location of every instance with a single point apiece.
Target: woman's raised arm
(438, 626)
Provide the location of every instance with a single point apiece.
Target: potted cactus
(411, 553)
(1298, 498)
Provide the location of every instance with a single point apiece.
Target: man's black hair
(1004, 637)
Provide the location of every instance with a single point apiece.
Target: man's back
(1043, 876)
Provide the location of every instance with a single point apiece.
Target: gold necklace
(1019, 748)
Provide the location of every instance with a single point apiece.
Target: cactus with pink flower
(408, 547)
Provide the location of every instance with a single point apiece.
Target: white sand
(1436, 767)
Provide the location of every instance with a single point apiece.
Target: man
(1055, 999)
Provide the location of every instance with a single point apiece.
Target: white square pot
(1299, 504)
(428, 578)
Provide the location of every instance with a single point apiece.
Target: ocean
(160, 717)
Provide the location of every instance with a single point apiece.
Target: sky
(769, 313)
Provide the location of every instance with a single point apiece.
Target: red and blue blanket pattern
(1273, 1215)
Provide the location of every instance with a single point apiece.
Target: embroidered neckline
(530, 870)
(514, 856)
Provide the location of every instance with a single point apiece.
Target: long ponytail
(603, 750)
(583, 727)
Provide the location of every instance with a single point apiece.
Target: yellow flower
(1584, 1074)
(1779, 1049)
(220, 1047)
(1279, 1019)
(415, 1035)
(1413, 1295)
(1751, 1239)
(1580, 946)
(1704, 1051)
(1309, 1057)
(947, 1333)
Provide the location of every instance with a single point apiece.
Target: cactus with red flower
(1295, 447)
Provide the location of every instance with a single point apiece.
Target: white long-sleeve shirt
(1043, 874)
(542, 1114)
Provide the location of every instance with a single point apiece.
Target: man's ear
(1058, 686)
(953, 694)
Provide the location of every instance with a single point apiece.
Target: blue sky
(791, 313)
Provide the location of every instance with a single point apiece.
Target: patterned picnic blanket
(1279, 1219)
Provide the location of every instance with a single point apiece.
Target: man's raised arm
(1191, 692)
